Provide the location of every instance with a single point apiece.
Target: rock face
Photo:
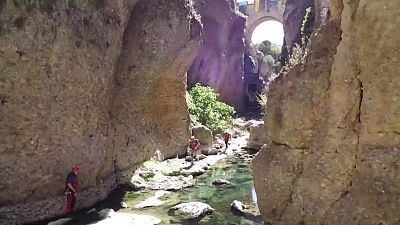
(293, 16)
(219, 63)
(334, 125)
(69, 94)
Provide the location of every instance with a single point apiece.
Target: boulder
(221, 182)
(192, 209)
(238, 207)
(258, 136)
(106, 213)
(203, 134)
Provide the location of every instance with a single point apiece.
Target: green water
(232, 169)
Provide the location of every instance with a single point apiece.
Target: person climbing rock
(227, 137)
(194, 145)
(71, 186)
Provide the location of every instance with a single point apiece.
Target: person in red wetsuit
(194, 146)
(227, 138)
(71, 185)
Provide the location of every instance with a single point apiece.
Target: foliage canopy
(204, 108)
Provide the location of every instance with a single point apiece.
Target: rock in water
(221, 182)
(106, 213)
(238, 207)
(153, 201)
(192, 209)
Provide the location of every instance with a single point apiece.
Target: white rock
(60, 221)
(124, 205)
(192, 209)
(106, 213)
(129, 219)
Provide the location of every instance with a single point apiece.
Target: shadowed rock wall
(333, 122)
(100, 84)
(219, 63)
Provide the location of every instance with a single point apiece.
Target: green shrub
(262, 101)
(204, 108)
(306, 28)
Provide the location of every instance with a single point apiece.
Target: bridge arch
(271, 11)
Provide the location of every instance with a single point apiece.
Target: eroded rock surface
(334, 125)
(219, 63)
(100, 84)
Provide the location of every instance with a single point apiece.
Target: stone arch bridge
(260, 11)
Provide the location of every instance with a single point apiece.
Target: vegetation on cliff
(272, 54)
(205, 108)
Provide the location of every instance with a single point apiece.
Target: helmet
(75, 169)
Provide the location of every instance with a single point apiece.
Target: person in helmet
(194, 145)
(71, 186)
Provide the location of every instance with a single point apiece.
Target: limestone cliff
(219, 63)
(293, 16)
(334, 125)
(100, 84)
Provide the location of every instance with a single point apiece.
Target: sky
(269, 30)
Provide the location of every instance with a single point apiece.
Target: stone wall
(219, 63)
(100, 85)
(333, 122)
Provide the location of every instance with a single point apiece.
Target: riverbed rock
(100, 84)
(258, 136)
(129, 219)
(221, 182)
(334, 125)
(192, 209)
(60, 221)
(124, 205)
(238, 207)
(106, 213)
(153, 201)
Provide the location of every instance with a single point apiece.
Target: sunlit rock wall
(333, 123)
(100, 84)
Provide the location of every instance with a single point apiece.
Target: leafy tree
(265, 47)
(204, 108)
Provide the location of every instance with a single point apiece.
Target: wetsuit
(71, 195)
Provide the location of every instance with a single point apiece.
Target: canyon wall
(219, 63)
(334, 125)
(293, 17)
(99, 84)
